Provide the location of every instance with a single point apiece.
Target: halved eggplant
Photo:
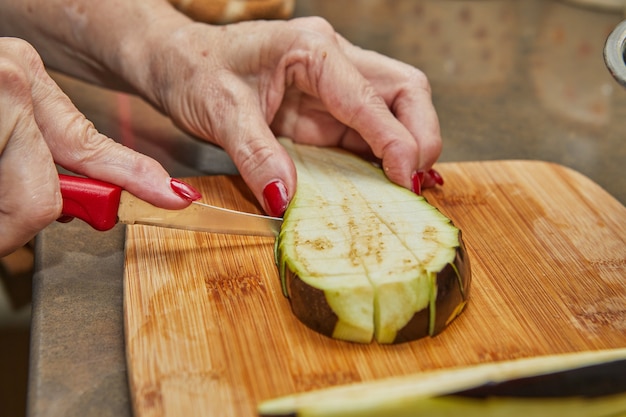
(361, 258)
(580, 384)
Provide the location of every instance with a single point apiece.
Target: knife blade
(102, 205)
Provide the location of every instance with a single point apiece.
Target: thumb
(267, 169)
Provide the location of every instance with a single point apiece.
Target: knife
(102, 205)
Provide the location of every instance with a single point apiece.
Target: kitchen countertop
(510, 80)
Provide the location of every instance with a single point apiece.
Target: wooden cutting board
(208, 331)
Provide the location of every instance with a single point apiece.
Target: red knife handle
(95, 202)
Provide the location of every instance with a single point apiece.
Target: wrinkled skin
(238, 86)
(39, 125)
(297, 79)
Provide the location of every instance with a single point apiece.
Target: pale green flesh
(371, 246)
(448, 406)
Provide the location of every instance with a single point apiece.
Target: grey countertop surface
(510, 80)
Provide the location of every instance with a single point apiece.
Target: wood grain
(208, 331)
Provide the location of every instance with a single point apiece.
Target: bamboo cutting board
(209, 333)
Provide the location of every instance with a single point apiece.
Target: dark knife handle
(93, 201)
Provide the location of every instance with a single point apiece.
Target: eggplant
(581, 384)
(361, 258)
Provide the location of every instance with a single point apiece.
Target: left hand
(240, 85)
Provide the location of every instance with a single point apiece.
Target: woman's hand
(241, 85)
(39, 125)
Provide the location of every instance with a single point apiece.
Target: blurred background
(15, 304)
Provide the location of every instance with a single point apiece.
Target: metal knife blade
(197, 217)
(102, 205)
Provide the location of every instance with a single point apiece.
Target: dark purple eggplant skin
(592, 381)
(453, 284)
(453, 287)
(309, 305)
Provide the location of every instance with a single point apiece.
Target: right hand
(39, 127)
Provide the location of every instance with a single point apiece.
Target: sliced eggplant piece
(361, 258)
(582, 384)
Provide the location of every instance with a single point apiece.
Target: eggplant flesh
(361, 258)
(580, 384)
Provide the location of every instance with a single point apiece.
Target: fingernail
(416, 181)
(275, 196)
(435, 176)
(184, 190)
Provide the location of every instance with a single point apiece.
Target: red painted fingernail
(185, 190)
(416, 181)
(435, 176)
(275, 196)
